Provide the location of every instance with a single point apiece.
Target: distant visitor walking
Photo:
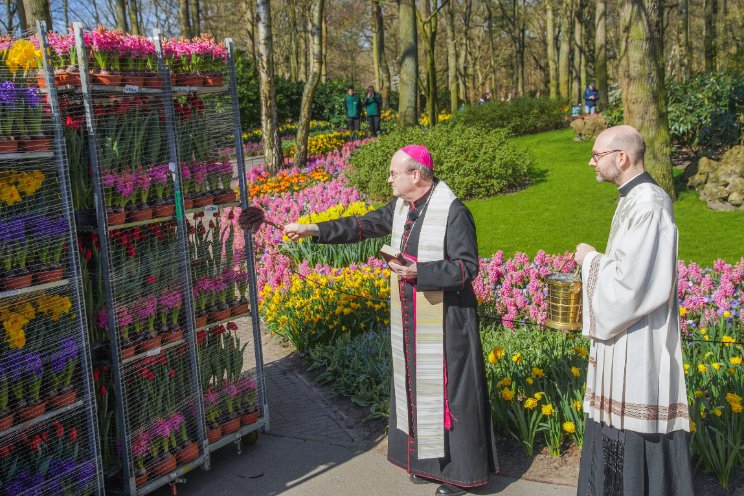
(353, 111)
(372, 105)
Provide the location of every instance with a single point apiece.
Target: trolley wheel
(250, 438)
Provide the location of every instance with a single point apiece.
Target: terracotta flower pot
(18, 282)
(214, 80)
(228, 197)
(189, 80)
(201, 321)
(116, 218)
(214, 435)
(172, 336)
(47, 276)
(71, 78)
(127, 352)
(132, 80)
(40, 144)
(8, 146)
(152, 80)
(231, 426)
(63, 399)
(33, 411)
(149, 344)
(203, 201)
(165, 466)
(163, 211)
(239, 309)
(41, 81)
(138, 215)
(6, 422)
(249, 418)
(107, 79)
(141, 477)
(188, 203)
(218, 315)
(190, 452)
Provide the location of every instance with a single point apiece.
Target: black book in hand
(392, 255)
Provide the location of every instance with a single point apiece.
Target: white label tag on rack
(153, 352)
(130, 88)
(172, 166)
(211, 209)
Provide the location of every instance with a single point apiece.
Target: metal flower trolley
(170, 281)
(48, 433)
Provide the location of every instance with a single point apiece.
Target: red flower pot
(127, 352)
(214, 435)
(6, 422)
(188, 453)
(41, 144)
(218, 315)
(172, 336)
(163, 211)
(133, 80)
(249, 418)
(33, 411)
(188, 203)
(141, 477)
(107, 79)
(239, 309)
(149, 344)
(203, 201)
(47, 276)
(138, 215)
(201, 321)
(63, 399)
(189, 80)
(116, 218)
(18, 282)
(8, 146)
(165, 466)
(231, 426)
(71, 78)
(225, 198)
(215, 80)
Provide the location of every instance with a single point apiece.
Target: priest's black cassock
(469, 445)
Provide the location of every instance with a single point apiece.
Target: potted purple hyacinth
(164, 462)
(14, 252)
(146, 311)
(212, 415)
(6, 416)
(224, 171)
(188, 450)
(164, 206)
(124, 190)
(169, 310)
(140, 450)
(64, 363)
(249, 407)
(33, 374)
(230, 398)
(34, 139)
(141, 210)
(51, 237)
(8, 103)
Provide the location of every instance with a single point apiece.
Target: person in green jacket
(372, 105)
(353, 110)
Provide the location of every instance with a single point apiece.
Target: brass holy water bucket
(564, 301)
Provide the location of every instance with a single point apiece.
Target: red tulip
(72, 436)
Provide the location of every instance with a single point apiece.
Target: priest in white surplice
(637, 431)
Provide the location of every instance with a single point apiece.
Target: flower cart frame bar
(102, 229)
(263, 404)
(74, 278)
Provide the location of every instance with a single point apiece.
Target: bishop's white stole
(428, 308)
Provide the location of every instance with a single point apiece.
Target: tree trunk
(429, 31)
(709, 34)
(550, 36)
(300, 155)
(491, 46)
(294, 51)
(577, 48)
(121, 16)
(683, 40)
(600, 53)
(449, 19)
(65, 13)
(323, 53)
(195, 12)
(379, 29)
(642, 83)
(564, 59)
(251, 10)
(34, 10)
(272, 143)
(376, 56)
(21, 15)
(408, 63)
(134, 13)
(521, 45)
(582, 32)
(184, 18)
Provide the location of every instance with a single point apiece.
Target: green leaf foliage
(475, 163)
(524, 115)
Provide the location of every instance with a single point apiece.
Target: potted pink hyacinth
(163, 204)
(212, 415)
(169, 310)
(188, 450)
(146, 311)
(105, 46)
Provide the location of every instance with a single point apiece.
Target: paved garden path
(318, 445)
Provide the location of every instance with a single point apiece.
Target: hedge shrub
(525, 115)
(475, 163)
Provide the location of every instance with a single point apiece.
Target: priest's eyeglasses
(596, 156)
(395, 174)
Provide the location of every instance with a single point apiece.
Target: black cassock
(470, 450)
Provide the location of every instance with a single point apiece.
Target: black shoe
(417, 479)
(449, 490)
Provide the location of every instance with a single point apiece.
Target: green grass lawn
(568, 206)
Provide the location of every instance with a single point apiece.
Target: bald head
(624, 138)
